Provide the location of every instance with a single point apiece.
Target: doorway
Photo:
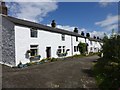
(48, 52)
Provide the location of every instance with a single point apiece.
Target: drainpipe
(72, 45)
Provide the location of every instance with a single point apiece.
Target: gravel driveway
(66, 73)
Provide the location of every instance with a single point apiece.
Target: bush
(53, 59)
(107, 69)
(99, 54)
(111, 48)
(28, 64)
(82, 47)
(31, 63)
(107, 74)
(20, 65)
(43, 60)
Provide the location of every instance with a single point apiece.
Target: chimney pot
(3, 8)
(53, 24)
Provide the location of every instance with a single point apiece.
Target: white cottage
(25, 41)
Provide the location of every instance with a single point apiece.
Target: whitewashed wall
(75, 43)
(44, 39)
(23, 40)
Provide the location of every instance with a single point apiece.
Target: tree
(82, 33)
(87, 34)
(105, 38)
(113, 31)
(76, 30)
(111, 47)
(108, 67)
(82, 47)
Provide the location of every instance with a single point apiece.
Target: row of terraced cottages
(25, 41)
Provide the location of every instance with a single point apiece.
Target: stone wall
(0, 52)
(8, 42)
(0, 38)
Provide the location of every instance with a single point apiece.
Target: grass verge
(107, 74)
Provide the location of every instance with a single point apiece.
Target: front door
(48, 52)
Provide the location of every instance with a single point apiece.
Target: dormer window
(34, 33)
(63, 37)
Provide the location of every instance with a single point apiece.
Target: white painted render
(44, 39)
(23, 40)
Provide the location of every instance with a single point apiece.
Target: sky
(96, 18)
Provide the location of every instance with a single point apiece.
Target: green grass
(82, 55)
(46, 60)
(107, 74)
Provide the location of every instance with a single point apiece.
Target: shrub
(53, 59)
(31, 63)
(43, 60)
(111, 48)
(20, 65)
(82, 47)
(107, 69)
(28, 64)
(99, 54)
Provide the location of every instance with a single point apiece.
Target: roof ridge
(43, 27)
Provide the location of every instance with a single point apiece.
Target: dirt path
(67, 73)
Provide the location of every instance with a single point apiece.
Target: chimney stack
(76, 30)
(3, 8)
(53, 24)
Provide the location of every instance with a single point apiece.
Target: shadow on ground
(89, 72)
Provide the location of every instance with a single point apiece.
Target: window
(91, 42)
(76, 38)
(34, 50)
(63, 49)
(63, 37)
(59, 46)
(33, 32)
(94, 48)
(75, 49)
(91, 49)
(59, 49)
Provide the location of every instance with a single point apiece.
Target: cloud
(111, 22)
(32, 11)
(30, 1)
(105, 3)
(97, 33)
(65, 27)
(71, 28)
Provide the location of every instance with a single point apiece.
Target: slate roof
(38, 26)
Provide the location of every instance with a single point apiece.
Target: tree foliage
(111, 47)
(82, 47)
(107, 69)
